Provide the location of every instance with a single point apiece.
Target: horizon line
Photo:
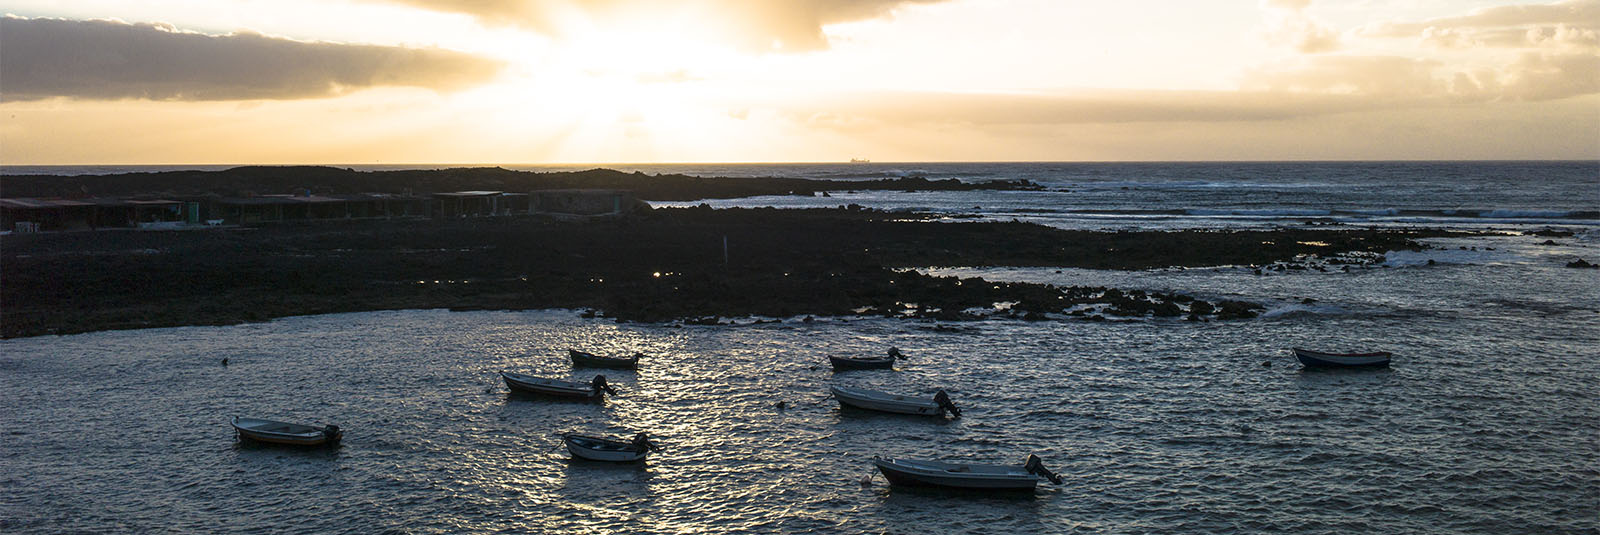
(829, 162)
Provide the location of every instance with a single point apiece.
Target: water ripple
(1158, 427)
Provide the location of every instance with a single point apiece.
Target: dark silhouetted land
(657, 265)
(243, 181)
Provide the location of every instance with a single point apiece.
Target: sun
(618, 91)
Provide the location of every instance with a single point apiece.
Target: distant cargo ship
(860, 160)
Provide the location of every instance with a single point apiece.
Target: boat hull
(604, 450)
(590, 360)
(1318, 359)
(843, 364)
(548, 387)
(284, 433)
(884, 402)
(955, 476)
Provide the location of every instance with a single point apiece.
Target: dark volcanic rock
(1228, 310)
(1582, 264)
(659, 265)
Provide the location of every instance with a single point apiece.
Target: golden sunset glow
(423, 81)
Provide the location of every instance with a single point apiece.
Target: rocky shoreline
(657, 266)
(253, 180)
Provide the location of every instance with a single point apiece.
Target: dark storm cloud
(107, 60)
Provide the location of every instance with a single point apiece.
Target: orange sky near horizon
(615, 81)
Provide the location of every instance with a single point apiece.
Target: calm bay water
(1486, 423)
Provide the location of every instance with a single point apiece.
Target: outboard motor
(332, 434)
(945, 405)
(599, 385)
(1036, 466)
(643, 443)
(894, 353)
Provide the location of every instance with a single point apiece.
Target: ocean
(1468, 195)
(1487, 421)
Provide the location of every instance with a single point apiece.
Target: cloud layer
(1097, 107)
(1581, 14)
(100, 59)
(759, 25)
(1288, 24)
(1528, 52)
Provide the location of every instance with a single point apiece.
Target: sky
(637, 81)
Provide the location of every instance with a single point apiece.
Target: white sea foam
(1293, 212)
(1303, 309)
(1454, 257)
(1519, 214)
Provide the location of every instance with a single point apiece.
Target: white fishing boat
(918, 473)
(866, 363)
(596, 389)
(610, 450)
(275, 432)
(1318, 359)
(937, 405)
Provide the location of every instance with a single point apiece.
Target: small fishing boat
(584, 359)
(274, 432)
(595, 390)
(865, 363)
(610, 450)
(914, 473)
(860, 363)
(873, 400)
(1318, 359)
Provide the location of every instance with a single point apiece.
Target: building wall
(582, 202)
